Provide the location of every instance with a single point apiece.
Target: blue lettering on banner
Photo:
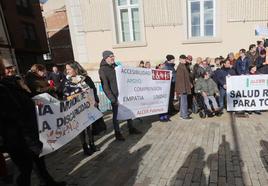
(134, 81)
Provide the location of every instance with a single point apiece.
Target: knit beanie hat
(106, 54)
(7, 63)
(170, 57)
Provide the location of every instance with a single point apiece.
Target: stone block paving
(215, 151)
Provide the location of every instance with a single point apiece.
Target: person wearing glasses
(108, 80)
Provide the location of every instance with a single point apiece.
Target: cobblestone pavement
(212, 151)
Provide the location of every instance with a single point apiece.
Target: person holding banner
(108, 80)
(19, 131)
(170, 65)
(183, 87)
(253, 71)
(77, 81)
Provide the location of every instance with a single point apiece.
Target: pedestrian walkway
(213, 151)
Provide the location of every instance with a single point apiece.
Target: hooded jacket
(108, 80)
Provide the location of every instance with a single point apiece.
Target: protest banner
(142, 92)
(61, 121)
(261, 31)
(247, 92)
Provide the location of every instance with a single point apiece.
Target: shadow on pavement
(225, 168)
(116, 164)
(264, 154)
(191, 172)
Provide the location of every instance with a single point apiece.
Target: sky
(43, 1)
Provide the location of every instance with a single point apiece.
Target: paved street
(212, 151)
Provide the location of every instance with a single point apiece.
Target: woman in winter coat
(76, 81)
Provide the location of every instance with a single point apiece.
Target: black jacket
(108, 80)
(37, 84)
(18, 126)
(56, 78)
(259, 61)
(221, 74)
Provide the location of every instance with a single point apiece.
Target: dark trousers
(115, 121)
(41, 170)
(3, 167)
(24, 159)
(83, 136)
(171, 107)
(190, 99)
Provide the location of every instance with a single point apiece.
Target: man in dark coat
(183, 87)
(108, 80)
(252, 54)
(56, 76)
(169, 65)
(220, 78)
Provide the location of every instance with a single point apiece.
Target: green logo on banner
(247, 82)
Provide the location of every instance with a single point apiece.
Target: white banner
(249, 92)
(61, 121)
(142, 92)
(261, 31)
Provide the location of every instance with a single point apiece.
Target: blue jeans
(183, 105)
(213, 100)
(222, 97)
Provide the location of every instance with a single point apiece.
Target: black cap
(183, 56)
(169, 57)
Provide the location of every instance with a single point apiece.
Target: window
(29, 32)
(29, 35)
(23, 3)
(201, 18)
(24, 7)
(128, 20)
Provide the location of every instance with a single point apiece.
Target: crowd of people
(19, 134)
(199, 86)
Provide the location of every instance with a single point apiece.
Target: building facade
(149, 29)
(26, 29)
(6, 50)
(58, 33)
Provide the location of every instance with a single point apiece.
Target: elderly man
(183, 87)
